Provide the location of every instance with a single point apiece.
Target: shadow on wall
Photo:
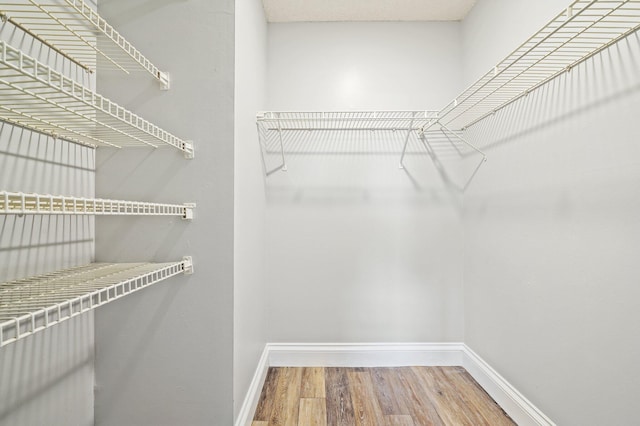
(57, 361)
(35, 163)
(154, 172)
(602, 80)
(337, 167)
(137, 9)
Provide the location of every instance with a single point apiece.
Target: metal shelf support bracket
(189, 150)
(188, 211)
(187, 264)
(165, 80)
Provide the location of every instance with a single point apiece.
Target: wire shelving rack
(44, 204)
(75, 30)
(583, 30)
(419, 125)
(33, 304)
(37, 97)
(346, 120)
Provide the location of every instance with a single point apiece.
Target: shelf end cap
(188, 211)
(189, 150)
(187, 264)
(165, 80)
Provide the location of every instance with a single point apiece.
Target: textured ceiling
(366, 10)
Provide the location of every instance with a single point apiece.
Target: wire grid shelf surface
(21, 203)
(35, 96)
(33, 304)
(584, 29)
(346, 120)
(77, 31)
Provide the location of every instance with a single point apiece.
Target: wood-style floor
(403, 396)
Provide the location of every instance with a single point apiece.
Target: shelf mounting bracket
(284, 163)
(165, 80)
(188, 211)
(189, 150)
(187, 265)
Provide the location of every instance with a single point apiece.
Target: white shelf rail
(422, 126)
(21, 203)
(75, 30)
(346, 120)
(584, 29)
(339, 121)
(33, 304)
(35, 96)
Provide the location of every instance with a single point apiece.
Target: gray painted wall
(46, 378)
(552, 233)
(249, 251)
(358, 250)
(164, 355)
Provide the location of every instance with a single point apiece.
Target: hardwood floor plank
(406, 396)
(399, 420)
(472, 412)
(338, 397)
(313, 412)
(312, 383)
(476, 397)
(366, 409)
(287, 398)
(267, 396)
(384, 381)
(422, 409)
(451, 408)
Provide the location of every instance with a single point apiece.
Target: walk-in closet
(320, 212)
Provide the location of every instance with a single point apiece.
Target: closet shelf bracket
(187, 265)
(165, 80)
(189, 150)
(188, 211)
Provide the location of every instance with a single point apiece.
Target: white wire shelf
(35, 96)
(584, 29)
(282, 133)
(345, 120)
(75, 30)
(44, 204)
(273, 124)
(32, 304)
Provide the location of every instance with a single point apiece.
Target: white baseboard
(521, 410)
(250, 403)
(364, 354)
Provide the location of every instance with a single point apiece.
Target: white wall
(249, 199)
(164, 356)
(46, 378)
(495, 28)
(358, 250)
(552, 231)
(365, 65)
